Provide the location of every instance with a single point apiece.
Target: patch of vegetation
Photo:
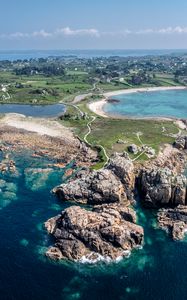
(115, 135)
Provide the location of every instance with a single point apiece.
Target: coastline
(97, 107)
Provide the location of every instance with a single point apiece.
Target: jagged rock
(133, 149)
(181, 143)
(123, 167)
(108, 231)
(174, 221)
(93, 187)
(162, 187)
(54, 253)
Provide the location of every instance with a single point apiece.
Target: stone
(162, 187)
(181, 143)
(54, 253)
(174, 221)
(93, 187)
(133, 149)
(107, 231)
(123, 167)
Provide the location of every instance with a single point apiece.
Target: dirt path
(86, 140)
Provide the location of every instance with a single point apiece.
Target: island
(112, 163)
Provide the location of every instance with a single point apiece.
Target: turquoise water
(49, 111)
(158, 271)
(172, 103)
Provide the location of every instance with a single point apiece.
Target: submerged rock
(160, 187)
(36, 178)
(174, 221)
(93, 187)
(108, 231)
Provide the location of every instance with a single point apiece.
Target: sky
(96, 24)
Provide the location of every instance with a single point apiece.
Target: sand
(37, 125)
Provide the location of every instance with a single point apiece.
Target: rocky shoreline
(63, 150)
(109, 229)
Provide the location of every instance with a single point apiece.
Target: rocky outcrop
(107, 232)
(123, 167)
(112, 184)
(159, 187)
(181, 143)
(133, 149)
(174, 221)
(93, 187)
(169, 157)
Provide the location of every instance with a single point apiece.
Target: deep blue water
(158, 271)
(28, 54)
(170, 103)
(50, 111)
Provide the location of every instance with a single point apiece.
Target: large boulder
(133, 148)
(123, 167)
(162, 187)
(93, 187)
(181, 143)
(107, 232)
(174, 221)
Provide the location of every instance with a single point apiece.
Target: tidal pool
(168, 103)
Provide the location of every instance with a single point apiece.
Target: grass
(65, 88)
(76, 73)
(107, 132)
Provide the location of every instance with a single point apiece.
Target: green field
(108, 132)
(39, 89)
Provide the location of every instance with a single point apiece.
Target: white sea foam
(94, 258)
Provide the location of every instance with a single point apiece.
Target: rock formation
(161, 187)
(112, 184)
(107, 232)
(133, 149)
(181, 143)
(123, 167)
(93, 187)
(174, 221)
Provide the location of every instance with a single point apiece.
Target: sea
(157, 271)
(165, 103)
(35, 54)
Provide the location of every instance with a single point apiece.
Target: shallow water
(49, 111)
(170, 103)
(158, 271)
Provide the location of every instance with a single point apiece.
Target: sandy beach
(97, 107)
(37, 125)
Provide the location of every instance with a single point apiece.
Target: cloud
(92, 32)
(41, 33)
(167, 30)
(149, 31)
(69, 32)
